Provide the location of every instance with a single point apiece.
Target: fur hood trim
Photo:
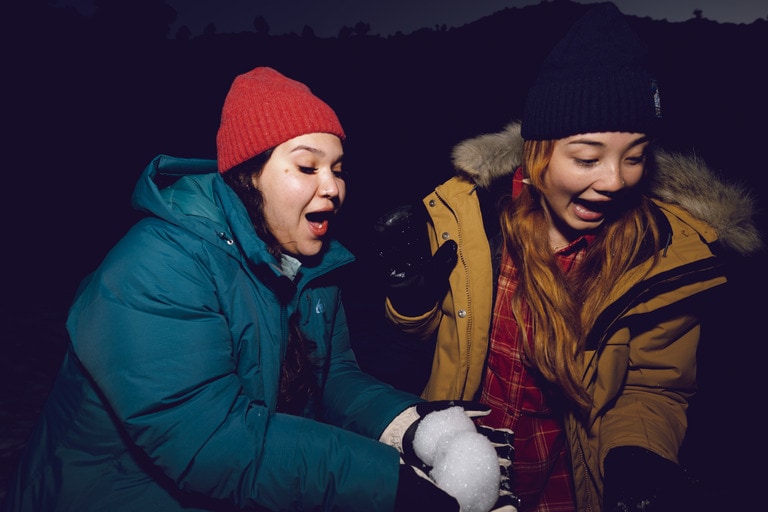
(729, 207)
(485, 158)
(683, 180)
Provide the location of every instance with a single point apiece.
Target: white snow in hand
(464, 463)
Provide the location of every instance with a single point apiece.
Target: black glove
(402, 430)
(502, 440)
(417, 492)
(414, 278)
(471, 409)
(637, 479)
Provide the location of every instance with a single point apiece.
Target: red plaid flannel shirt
(518, 401)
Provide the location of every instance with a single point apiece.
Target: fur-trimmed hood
(684, 180)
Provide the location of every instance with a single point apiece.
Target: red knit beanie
(264, 109)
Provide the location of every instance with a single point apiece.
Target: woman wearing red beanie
(585, 257)
(210, 365)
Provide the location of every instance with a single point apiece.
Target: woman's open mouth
(319, 221)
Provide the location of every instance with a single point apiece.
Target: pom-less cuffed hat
(262, 110)
(594, 80)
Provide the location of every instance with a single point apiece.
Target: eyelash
(632, 161)
(311, 170)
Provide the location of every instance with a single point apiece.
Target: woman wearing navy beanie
(579, 259)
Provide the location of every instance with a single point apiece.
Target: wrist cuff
(393, 434)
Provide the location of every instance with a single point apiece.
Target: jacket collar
(678, 179)
(191, 194)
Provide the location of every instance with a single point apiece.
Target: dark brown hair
(298, 380)
(240, 179)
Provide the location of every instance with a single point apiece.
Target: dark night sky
(386, 17)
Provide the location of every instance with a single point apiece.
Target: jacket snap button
(462, 313)
(446, 235)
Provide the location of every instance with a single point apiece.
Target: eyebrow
(316, 151)
(591, 142)
(311, 149)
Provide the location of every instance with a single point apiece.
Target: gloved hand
(417, 492)
(414, 278)
(502, 440)
(471, 409)
(637, 479)
(402, 430)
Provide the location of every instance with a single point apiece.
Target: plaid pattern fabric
(518, 400)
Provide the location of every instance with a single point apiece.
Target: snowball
(464, 462)
(469, 471)
(436, 430)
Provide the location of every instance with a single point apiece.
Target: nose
(610, 179)
(328, 186)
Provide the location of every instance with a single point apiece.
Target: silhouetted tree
(697, 13)
(362, 28)
(346, 32)
(308, 32)
(183, 33)
(210, 29)
(261, 26)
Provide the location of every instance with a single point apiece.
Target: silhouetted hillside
(93, 100)
(90, 101)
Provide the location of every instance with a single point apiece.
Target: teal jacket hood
(191, 194)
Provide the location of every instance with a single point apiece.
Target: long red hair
(564, 309)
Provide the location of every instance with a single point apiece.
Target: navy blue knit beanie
(594, 80)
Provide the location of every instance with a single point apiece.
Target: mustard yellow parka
(640, 362)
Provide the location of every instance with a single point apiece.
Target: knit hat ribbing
(263, 109)
(594, 80)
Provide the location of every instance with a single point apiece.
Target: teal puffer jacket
(166, 398)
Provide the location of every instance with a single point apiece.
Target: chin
(309, 250)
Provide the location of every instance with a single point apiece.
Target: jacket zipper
(468, 355)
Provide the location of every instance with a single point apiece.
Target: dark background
(89, 101)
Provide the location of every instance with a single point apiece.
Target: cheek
(556, 199)
(562, 183)
(290, 193)
(271, 215)
(556, 175)
(633, 176)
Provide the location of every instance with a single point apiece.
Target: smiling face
(586, 177)
(303, 188)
